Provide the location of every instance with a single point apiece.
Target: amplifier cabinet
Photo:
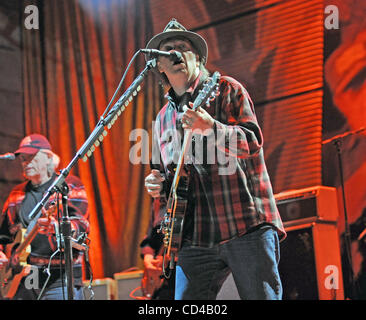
(317, 203)
(103, 289)
(310, 264)
(128, 285)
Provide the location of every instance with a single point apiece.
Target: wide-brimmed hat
(35, 142)
(175, 29)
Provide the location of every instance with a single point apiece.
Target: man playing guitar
(39, 163)
(231, 222)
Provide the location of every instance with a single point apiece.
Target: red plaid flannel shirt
(226, 203)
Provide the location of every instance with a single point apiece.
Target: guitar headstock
(209, 92)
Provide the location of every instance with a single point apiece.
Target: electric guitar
(17, 253)
(172, 224)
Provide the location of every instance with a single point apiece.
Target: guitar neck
(29, 238)
(186, 143)
(208, 92)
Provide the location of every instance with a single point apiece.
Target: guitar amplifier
(102, 289)
(128, 285)
(310, 266)
(306, 205)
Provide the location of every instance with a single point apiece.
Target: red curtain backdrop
(72, 66)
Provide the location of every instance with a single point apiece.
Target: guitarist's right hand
(154, 183)
(3, 260)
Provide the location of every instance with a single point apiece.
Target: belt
(56, 261)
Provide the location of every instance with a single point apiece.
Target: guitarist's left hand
(47, 222)
(47, 225)
(199, 119)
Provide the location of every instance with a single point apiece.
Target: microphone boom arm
(96, 136)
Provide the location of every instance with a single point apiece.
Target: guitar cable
(47, 270)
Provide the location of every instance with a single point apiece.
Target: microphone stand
(337, 141)
(85, 151)
(67, 238)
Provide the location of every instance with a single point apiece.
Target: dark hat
(32, 144)
(174, 29)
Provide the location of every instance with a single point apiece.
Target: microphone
(7, 156)
(175, 55)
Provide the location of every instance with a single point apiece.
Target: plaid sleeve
(9, 222)
(238, 133)
(5, 235)
(153, 240)
(78, 206)
(77, 210)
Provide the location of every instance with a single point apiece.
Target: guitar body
(177, 210)
(12, 274)
(17, 253)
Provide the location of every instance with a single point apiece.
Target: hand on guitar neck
(47, 223)
(199, 120)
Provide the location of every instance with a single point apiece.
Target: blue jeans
(58, 294)
(53, 293)
(252, 258)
